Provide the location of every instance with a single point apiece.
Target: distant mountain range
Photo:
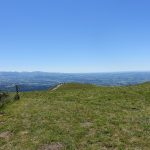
(30, 81)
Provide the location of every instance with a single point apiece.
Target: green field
(78, 117)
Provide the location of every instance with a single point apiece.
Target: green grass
(81, 117)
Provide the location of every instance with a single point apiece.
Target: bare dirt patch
(5, 135)
(53, 146)
(86, 124)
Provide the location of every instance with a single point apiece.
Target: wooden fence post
(17, 97)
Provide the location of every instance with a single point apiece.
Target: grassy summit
(76, 116)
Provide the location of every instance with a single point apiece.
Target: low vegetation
(78, 116)
(3, 98)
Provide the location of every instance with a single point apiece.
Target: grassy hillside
(77, 116)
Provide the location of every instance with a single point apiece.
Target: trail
(58, 86)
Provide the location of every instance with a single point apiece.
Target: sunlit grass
(78, 116)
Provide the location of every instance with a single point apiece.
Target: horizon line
(137, 71)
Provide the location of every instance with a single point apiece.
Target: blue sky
(75, 35)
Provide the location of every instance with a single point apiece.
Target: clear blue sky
(74, 35)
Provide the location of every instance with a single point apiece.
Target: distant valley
(30, 81)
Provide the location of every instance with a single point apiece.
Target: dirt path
(58, 86)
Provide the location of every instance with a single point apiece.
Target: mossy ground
(76, 116)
